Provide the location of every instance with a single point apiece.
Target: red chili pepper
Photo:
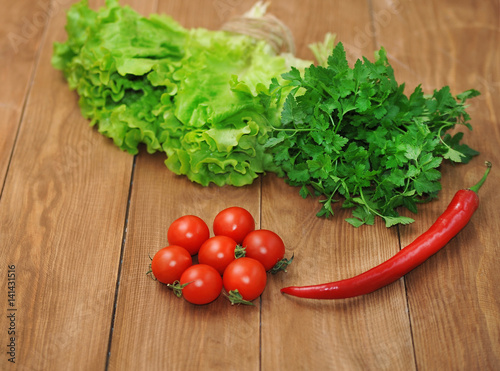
(456, 216)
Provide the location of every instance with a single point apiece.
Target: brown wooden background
(78, 217)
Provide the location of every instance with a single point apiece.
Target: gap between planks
(376, 43)
(120, 264)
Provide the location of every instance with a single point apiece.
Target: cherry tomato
(217, 252)
(170, 262)
(246, 275)
(188, 231)
(203, 284)
(265, 246)
(234, 222)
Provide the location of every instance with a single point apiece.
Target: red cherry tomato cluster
(236, 259)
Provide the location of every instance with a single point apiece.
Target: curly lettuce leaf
(225, 123)
(108, 58)
(200, 96)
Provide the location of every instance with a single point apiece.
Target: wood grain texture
(79, 217)
(21, 31)
(330, 335)
(454, 305)
(61, 226)
(153, 326)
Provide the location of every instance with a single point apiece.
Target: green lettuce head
(200, 96)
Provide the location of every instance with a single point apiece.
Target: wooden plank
(454, 305)
(61, 226)
(170, 332)
(21, 31)
(370, 332)
(166, 329)
(204, 14)
(359, 333)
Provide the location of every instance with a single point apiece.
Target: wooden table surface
(79, 217)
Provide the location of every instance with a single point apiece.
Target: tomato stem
(235, 298)
(281, 265)
(150, 271)
(476, 187)
(177, 287)
(239, 252)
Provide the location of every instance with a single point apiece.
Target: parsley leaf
(354, 133)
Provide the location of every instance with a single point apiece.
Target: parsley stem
(441, 138)
(292, 130)
(366, 204)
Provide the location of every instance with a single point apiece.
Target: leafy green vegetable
(224, 107)
(109, 58)
(353, 133)
(193, 94)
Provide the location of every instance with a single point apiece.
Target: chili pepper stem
(476, 187)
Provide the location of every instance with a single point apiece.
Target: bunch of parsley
(352, 134)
